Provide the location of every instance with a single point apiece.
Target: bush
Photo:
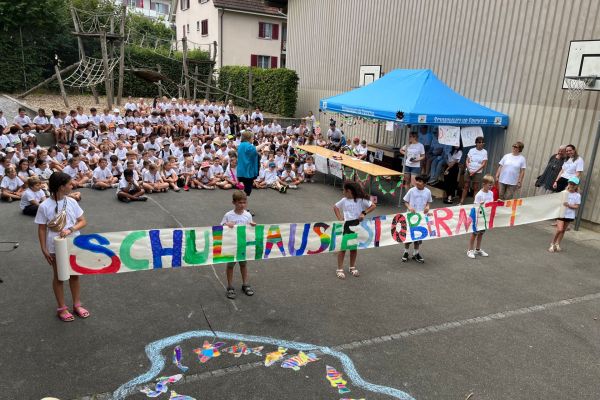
(273, 90)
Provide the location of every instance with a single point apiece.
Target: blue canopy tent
(413, 97)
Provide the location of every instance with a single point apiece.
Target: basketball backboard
(369, 74)
(583, 60)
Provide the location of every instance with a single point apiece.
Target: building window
(264, 62)
(185, 4)
(268, 31)
(188, 28)
(204, 27)
(198, 26)
(203, 1)
(160, 8)
(183, 30)
(136, 3)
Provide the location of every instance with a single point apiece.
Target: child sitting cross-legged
(288, 177)
(153, 181)
(204, 179)
(129, 190)
(268, 179)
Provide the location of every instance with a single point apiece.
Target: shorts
(348, 224)
(481, 232)
(566, 219)
(412, 170)
(475, 178)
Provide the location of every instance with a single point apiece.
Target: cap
(173, 99)
(121, 122)
(166, 143)
(205, 164)
(9, 149)
(574, 180)
(272, 164)
(84, 141)
(116, 110)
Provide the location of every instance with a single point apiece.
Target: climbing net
(97, 20)
(90, 72)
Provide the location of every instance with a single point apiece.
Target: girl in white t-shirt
(573, 167)
(11, 186)
(49, 227)
(32, 197)
(169, 174)
(482, 197)
(413, 154)
(152, 180)
(571, 207)
(309, 169)
(477, 159)
(351, 209)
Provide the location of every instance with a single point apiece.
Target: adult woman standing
(248, 158)
(413, 154)
(510, 172)
(476, 162)
(570, 168)
(451, 173)
(545, 181)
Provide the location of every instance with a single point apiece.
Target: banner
(449, 135)
(468, 134)
(117, 252)
(321, 164)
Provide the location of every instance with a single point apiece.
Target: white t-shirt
(413, 151)
(570, 168)
(269, 176)
(244, 218)
(11, 184)
(151, 177)
(29, 195)
(352, 208)
(288, 176)
(572, 198)
(47, 211)
(511, 167)
(476, 158)
(454, 157)
(418, 199)
(482, 197)
(102, 174)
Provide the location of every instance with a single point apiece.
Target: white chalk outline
(158, 361)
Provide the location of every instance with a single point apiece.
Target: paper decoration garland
(335, 379)
(299, 360)
(391, 190)
(208, 351)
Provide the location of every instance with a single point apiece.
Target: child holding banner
(352, 209)
(417, 200)
(485, 195)
(238, 216)
(572, 204)
(60, 215)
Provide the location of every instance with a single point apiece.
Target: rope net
(577, 86)
(97, 21)
(90, 72)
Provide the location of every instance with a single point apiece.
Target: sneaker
(405, 256)
(552, 248)
(285, 188)
(417, 257)
(88, 185)
(186, 188)
(114, 185)
(293, 187)
(481, 253)
(142, 198)
(471, 253)
(557, 247)
(282, 189)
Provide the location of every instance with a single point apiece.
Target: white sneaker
(552, 248)
(557, 247)
(481, 253)
(471, 253)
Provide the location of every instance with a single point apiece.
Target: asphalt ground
(520, 324)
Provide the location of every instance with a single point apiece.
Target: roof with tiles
(257, 6)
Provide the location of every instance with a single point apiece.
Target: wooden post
(228, 91)
(185, 67)
(209, 81)
(53, 77)
(107, 85)
(122, 55)
(195, 82)
(63, 93)
(110, 51)
(160, 93)
(82, 51)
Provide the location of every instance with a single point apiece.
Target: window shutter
(261, 30)
(275, 34)
(253, 60)
(205, 27)
(273, 62)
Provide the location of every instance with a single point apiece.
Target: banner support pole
(588, 178)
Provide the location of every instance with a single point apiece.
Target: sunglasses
(479, 142)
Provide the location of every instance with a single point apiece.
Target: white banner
(468, 135)
(335, 168)
(116, 252)
(449, 135)
(321, 164)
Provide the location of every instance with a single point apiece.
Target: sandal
(247, 289)
(80, 311)
(354, 272)
(340, 273)
(64, 315)
(231, 293)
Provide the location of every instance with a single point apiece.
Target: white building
(155, 9)
(247, 32)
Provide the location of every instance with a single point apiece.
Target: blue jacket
(247, 166)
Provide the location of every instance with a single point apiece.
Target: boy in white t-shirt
(485, 195)
(417, 199)
(238, 216)
(571, 207)
(32, 196)
(103, 177)
(11, 187)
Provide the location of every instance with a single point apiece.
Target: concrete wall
(240, 38)
(509, 55)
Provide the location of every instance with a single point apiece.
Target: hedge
(273, 90)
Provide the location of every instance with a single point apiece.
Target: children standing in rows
(482, 197)
(417, 200)
(238, 216)
(352, 209)
(571, 207)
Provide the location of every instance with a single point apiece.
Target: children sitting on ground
(11, 187)
(103, 177)
(268, 178)
(204, 178)
(152, 180)
(129, 190)
(288, 177)
(238, 216)
(32, 197)
(417, 200)
(485, 195)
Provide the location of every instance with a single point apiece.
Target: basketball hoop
(578, 84)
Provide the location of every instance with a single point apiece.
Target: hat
(111, 125)
(9, 149)
(121, 122)
(205, 164)
(574, 180)
(84, 141)
(173, 99)
(272, 164)
(116, 110)
(166, 143)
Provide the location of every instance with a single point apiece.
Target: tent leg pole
(403, 169)
(588, 178)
